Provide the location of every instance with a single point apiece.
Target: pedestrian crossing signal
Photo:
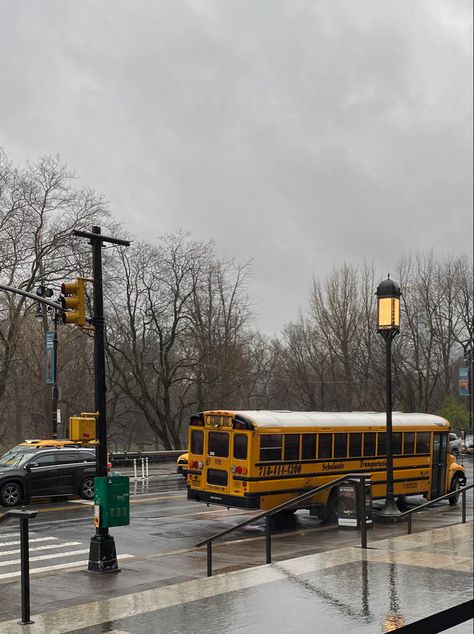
(73, 302)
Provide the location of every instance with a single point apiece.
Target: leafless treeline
(180, 332)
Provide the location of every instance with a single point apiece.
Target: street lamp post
(388, 325)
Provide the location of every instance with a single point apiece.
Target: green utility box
(111, 501)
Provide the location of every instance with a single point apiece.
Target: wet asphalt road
(163, 520)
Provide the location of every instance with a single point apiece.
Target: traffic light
(73, 299)
(44, 291)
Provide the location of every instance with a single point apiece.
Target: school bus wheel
(331, 512)
(456, 484)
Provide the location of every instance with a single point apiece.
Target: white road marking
(36, 539)
(11, 562)
(7, 535)
(72, 564)
(48, 547)
(83, 502)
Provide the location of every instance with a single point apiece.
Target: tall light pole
(388, 325)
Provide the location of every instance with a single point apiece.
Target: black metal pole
(102, 553)
(25, 572)
(54, 394)
(388, 395)
(471, 389)
(209, 559)
(268, 539)
(390, 509)
(362, 512)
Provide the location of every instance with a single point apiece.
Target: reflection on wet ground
(360, 597)
(365, 591)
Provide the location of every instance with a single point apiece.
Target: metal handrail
(361, 477)
(461, 490)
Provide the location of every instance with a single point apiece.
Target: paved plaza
(394, 582)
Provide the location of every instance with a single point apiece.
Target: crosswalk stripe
(11, 562)
(48, 547)
(73, 564)
(15, 534)
(38, 539)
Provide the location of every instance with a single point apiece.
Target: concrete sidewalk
(394, 582)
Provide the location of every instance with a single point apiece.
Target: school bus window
(422, 442)
(355, 445)
(340, 445)
(369, 444)
(240, 446)
(382, 444)
(270, 447)
(396, 443)
(325, 446)
(308, 446)
(218, 444)
(292, 447)
(409, 442)
(197, 438)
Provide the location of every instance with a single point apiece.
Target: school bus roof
(283, 418)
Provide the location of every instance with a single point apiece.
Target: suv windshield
(14, 459)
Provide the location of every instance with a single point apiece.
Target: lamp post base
(389, 513)
(102, 554)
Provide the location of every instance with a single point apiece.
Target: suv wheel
(11, 494)
(86, 490)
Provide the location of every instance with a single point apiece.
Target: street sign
(50, 373)
(463, 381)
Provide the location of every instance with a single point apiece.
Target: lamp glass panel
(396, 311)
(385, 312)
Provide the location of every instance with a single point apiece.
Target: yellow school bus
(259, 459)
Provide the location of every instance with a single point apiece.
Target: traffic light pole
(55, 389)
(102, 553)
(57, 309)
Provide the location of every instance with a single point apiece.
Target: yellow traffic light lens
(73, 302)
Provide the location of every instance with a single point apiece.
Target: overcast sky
(299, 134)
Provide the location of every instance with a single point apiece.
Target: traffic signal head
(44, 291)
(73, 300)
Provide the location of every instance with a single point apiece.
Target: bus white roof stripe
(278, 418)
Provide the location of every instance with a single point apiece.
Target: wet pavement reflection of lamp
(394, 620)
(388, 325)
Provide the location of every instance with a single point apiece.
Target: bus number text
(279, 469)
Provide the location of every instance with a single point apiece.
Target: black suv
(37, 472)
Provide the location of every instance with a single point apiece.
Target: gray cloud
(298, 133)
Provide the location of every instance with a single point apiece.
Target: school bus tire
(331, 509)
(455, 485)
(282, 519)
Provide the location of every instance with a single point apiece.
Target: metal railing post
(268, 539)
(24, 516)
(409, 523)
(361, 507)
(209, 559)
(463, 507)
(25, 572)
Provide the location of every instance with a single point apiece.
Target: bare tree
(39, 208)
